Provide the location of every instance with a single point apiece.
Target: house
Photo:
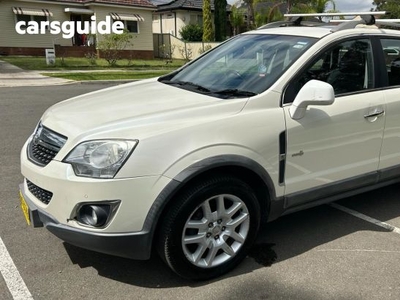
(170, 17)
(17, 39)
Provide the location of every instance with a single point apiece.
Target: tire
(209, 228)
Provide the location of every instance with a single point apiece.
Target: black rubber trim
(381, 74)
(341, 189)
(328, 190)
(135, 245)
(282, 157)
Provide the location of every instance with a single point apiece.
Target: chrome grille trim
(45, 145)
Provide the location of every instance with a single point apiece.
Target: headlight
(101, 158)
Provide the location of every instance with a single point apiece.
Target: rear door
(390, 156)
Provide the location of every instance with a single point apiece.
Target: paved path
(12, 76)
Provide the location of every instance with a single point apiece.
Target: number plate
(25, 208)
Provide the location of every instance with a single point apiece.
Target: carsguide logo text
(68, 28)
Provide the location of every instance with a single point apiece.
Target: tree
(250, 13)
(220, 19)
(207, 24)
(313, 6)
(237, 20)
(320, 6)
(274, 13)
(390, 6)
(111, 46)
(271, 14)
(192, 33)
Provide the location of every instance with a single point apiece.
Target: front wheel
(209, 228)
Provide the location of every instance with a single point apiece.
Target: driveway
(12, 76)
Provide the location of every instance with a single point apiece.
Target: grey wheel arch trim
(177, 183)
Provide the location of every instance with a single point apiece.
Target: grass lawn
(73, 63)
(108, 75)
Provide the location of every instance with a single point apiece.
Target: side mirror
(314, 92)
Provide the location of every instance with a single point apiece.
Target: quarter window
(391, 50)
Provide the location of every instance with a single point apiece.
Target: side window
(347, 66)
(391, 51)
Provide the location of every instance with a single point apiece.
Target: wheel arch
(241, 167)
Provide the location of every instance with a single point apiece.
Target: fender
(177, 183)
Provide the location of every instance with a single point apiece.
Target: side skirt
(342, 189)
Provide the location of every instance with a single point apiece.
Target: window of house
(28, 18)
(24, 18)
(39, 19)
(132, 26)
(193, 19)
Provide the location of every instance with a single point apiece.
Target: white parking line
(366, 218)
(13, 279)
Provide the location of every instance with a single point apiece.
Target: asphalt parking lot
(327, 252)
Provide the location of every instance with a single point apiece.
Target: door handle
(376, 113)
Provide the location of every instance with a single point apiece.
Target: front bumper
(135, 245)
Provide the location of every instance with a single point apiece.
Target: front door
(332, 145)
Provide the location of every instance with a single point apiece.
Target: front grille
(45, 145)
(41, 194)
(41, 154)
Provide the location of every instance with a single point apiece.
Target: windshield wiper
(187, 83)
(234, 93)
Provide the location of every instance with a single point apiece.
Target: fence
(169, 46)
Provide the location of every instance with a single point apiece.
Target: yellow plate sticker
(25, 208)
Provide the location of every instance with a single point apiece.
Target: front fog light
(96, 214)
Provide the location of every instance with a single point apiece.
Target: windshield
(242, 67)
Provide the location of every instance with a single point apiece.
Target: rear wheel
(209, 228)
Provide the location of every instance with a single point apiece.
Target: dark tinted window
(347, 66)
(391, 51)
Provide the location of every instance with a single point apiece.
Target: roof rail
(367, 18)
(297, 21)
(340, 14)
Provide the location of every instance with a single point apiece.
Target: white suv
(270, 122)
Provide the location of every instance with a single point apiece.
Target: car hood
(143, 105)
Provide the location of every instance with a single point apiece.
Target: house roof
(184, 4)
(137, 3)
